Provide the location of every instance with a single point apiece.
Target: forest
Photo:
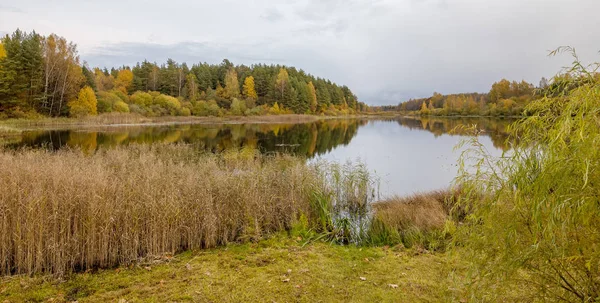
(44, 76)
(505, 98)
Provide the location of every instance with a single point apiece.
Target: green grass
(317, 272)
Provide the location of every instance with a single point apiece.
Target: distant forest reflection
(495, 128)
(309, 139)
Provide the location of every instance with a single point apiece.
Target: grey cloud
(190, 52)
(11, 9)
(386, 51)
(273, 15)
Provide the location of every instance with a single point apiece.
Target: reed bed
(425, 219)
(69, 210)
(65, 211)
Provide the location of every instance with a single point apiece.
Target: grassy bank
(128, 118)
(280, 269)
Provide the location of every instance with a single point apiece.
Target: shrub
(170, 104)
(107, 101)
(86, 103)
(238, 107)
(185, 112)
(123, 96)
(275, 109)
(121, 107)
(142, 99)
(257, 111)
(137, 109)
(204, 108)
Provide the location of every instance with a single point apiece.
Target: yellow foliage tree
(248, 90)
(424, 109)
(103, 82)
(221, 92)
(86, 103)
(283, 78)
(232, 86)
(124, 80)
(275, 110)
(312, 93)
(2, 51)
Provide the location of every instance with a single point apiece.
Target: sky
(386, 51)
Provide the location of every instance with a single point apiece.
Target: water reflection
(309, 139)
(408, 154)
(495, 129)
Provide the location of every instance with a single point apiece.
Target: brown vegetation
(65, 211)
(425, 211)
(420, 219)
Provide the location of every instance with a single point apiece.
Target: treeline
(505, 98)
(45, 76)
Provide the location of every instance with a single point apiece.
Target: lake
(408, 154)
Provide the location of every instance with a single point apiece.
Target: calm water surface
(407, 154)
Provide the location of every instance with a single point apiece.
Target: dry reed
(425, 211)
(65, 211)
(425, 219)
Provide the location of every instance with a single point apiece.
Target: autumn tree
(248, 90)
(312, 97)
(2, 51)
(500, 90)
(104, 81)
(85, 104)
(424, 109)
(63, 74)
(283, 78)
(232, 85)
(124, 80)
(191, 87)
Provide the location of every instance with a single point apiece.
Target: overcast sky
(386, 51)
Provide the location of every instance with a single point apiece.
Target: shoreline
(15, 126)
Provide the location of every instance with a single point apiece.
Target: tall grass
(65, 211)
(424, 219)
(341, 203)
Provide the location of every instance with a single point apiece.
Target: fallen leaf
(298, 286)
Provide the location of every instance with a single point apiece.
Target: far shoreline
(11, 127)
